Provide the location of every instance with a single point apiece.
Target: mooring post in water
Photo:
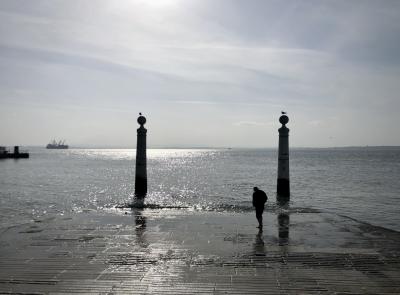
(283, 185)
(141, 162)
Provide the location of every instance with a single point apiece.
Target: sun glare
(159, 3)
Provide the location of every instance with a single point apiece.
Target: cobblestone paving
(183, 252)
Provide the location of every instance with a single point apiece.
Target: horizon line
(79, 146)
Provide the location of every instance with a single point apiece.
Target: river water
(361, 183)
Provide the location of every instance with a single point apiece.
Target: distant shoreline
(221, 148)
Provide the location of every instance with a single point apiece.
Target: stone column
(141, 161)
(283, 186)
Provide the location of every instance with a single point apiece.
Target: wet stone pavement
(170, 251)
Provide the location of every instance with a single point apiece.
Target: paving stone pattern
(183, 252)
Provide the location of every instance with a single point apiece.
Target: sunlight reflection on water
(130, 154)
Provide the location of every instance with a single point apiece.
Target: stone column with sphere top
(141, 161)
(283, 185)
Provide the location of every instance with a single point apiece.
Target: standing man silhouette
(259, 199)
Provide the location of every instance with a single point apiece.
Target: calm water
(361, 183)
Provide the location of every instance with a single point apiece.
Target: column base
(283, 188)
(137, 203)
(140, 187)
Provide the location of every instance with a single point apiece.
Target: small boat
(17, 154)
(57, 145)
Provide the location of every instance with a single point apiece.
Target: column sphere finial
(141, 120)
(284, 119)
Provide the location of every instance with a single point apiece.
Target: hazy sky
(204, 72)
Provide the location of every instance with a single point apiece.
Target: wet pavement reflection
(259, 245)
(283, 228)
(283, 222)
(140, 227)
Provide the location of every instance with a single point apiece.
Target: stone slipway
(170, 251)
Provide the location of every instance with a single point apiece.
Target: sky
(205, 73)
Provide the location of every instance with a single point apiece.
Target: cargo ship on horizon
(57, 145)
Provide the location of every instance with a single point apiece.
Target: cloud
(315, 122)
(251, 123)
(203, 102)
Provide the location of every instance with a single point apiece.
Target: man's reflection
(259, 249)
(140, 228)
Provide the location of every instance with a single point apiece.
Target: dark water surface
(362, 183)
